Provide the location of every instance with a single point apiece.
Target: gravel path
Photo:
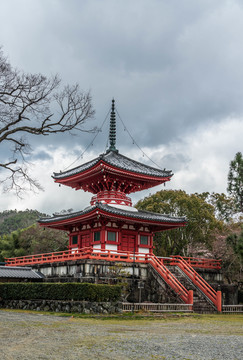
(25, 336)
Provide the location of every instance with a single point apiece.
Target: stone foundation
(84, 307)
(211, 276)
(134, 274)
(94, 271)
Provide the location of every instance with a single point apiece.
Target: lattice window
(74, 239)
(97, 236)
(144, 240)
(111, 235)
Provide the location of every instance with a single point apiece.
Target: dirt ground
(33, 336)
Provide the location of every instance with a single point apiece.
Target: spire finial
(112, 135)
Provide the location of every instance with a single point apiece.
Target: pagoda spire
(112, 134)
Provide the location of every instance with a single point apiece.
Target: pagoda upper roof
(112, 212)
(119, 161)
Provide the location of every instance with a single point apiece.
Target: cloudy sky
(174, 68)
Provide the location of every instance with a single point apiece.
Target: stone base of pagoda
(142, 284)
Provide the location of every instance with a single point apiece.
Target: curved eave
(156, 224)
(118, 161)
(63, 222)
(159, 222)
(101, 168)
(72, 174)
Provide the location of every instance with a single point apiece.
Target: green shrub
(59, 291)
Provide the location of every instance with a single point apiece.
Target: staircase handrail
(209, 292)
(203, 262)
(170, 279)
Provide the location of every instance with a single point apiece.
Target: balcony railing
(86, 253)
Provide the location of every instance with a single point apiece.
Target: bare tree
(37, 105)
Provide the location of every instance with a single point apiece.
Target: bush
(59, 291)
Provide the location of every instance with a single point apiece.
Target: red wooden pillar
(136, 242)
(119, 239)
(102, 237)
(190, 299)
(219, 301)
(79, 241)
(151, 243)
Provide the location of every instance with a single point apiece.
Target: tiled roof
(141, 214)
(19, 272)
(120, 161)
(60, 217)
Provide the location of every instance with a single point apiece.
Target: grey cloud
(173, 66)
(176, 161)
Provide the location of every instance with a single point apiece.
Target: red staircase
(171, 280)
(198, 281)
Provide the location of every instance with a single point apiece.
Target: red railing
(48, 257)
(214, 296)
(85, 253)
(203, 263)
(170, 279)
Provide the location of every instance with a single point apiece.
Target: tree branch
(26, 107)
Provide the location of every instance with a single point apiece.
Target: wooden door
(128, 242)
(85, 241)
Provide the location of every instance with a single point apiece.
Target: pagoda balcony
(111, 197)
(109, 255)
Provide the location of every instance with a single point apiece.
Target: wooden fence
(160, 308)
(230, 309)
(156, 307)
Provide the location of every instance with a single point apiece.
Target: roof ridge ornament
(112, 134)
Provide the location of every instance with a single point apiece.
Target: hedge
(59, 291)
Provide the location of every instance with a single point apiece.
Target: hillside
(21, 235)
(11, 220)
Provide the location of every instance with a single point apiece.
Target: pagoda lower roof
(119, 161)
(99, 210)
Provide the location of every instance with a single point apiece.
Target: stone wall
(84, 307)
(211, 276)
(96, 271)
(157, 290)
(154, 289)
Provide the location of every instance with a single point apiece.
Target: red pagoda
(111, 230)
(111, 222)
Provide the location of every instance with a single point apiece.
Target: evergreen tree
(235, 180)
(201, 221)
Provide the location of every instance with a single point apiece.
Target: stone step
(200, 303)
